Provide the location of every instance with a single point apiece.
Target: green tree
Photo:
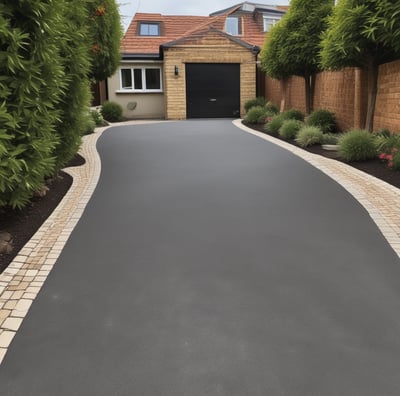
(32, 80)
(363, 33)
(298, 43)
(105, 32)
(73, 107)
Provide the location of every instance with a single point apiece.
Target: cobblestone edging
(380, 199)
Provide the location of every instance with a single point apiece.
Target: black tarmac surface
(211, 262)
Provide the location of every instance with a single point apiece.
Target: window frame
(144, 88)
(142, 24)
(273, 18)
(238, 25)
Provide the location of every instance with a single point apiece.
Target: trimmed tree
(363, 33)
(73, 108)
(105, 33)
(298, 43)
(32, 80)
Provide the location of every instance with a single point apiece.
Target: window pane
(126, 79)
(138, 78)
(232, 26)
(149, 29)
(153, 79)
(269, 22)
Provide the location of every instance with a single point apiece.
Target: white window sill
(131, 91)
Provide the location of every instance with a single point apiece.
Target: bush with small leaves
(255, 102)
(256, 115)
(272, 126)
(309, 136)
(357, 145)
(290, 128)
(98, 118)
(386, 141)
(271, 108)
(293, 114)
(324, 119)
(111, 111)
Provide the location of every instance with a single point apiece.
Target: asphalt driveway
(211, 262)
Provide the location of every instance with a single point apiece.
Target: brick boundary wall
(345, 93)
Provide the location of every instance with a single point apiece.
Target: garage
(212, 90)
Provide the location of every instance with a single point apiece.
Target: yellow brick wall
(211, 49)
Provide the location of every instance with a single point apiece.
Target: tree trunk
(284, 84)
(307, 86)
(373, 71)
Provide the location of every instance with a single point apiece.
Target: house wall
(207, 50)
(345, 93)
(148, 105)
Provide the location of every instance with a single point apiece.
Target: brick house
(178, 67)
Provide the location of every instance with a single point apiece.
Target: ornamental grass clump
(309, 136)
(274, 124)
(256, 115)
(293, 114)
(357, 145)
(289, 129)
(324, 119)
(271, 108)
(255, 102)
(330, 138)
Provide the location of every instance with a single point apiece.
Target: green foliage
(324, 119)
(330, 138)
(385, 141)
(272, 127)
(293, 114)
(73, 46)
(357, 145)
(361, 32)
(256, 115)
(292, 46)
(105, 32)
(32, 81)
(271, 108)
(290, 128)
(255, 102)
(111, 111)
(97, 118)
(309, 136)
(396, 161)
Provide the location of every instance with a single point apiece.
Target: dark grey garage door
(212, 90)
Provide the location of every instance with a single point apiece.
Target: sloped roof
(178, 28)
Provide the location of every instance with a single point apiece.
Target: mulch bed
(22, 224)
(374, 167)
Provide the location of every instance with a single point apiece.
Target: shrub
(111, 111)
(385, 142)
(357, 145)
(330, 138)
(293, 114)
(256, 115)
(273, 126)
(90, 125)
(309, 136)
(289, 129)
(392, 158)
(98, 118)
(323, 119)
(271, 108)
(255, 102)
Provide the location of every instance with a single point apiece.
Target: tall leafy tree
(363, 33)
(105, 32)
(32, 80)
(298, 40)
(74, 47)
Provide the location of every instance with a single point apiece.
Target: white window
(233, 26)
(270, 21)
(141, 79)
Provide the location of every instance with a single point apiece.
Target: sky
(128, 8)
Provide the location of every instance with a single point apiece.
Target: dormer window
(149, 29)
(233, 26)
(269, 21)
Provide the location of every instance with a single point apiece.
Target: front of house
(178, 67)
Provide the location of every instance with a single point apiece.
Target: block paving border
(22, 280)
